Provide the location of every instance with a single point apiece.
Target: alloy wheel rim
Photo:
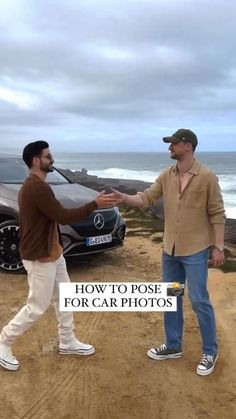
(9, 248)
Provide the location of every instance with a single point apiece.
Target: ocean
(147, 166)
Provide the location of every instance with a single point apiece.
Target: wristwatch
(220, 247)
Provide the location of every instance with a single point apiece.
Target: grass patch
(141, 222)
(229, 266)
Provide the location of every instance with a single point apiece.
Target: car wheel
(10, 260)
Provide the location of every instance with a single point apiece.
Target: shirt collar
(194, 169)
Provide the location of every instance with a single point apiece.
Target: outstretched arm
(46, 201)
(124, 198)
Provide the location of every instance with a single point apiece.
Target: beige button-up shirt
(190, 215)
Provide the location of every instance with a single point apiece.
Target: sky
(117, 75)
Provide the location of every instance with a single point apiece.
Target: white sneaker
(7, 360)
(76, 348)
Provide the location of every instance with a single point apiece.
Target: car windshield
(15, 171)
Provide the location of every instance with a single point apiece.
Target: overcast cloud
(117, 75)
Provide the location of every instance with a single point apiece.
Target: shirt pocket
(196, 198)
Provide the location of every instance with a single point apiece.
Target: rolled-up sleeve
(153, 193)
(215, 206)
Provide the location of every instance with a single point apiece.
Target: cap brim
(170, 140)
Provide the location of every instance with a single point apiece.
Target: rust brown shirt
(190, 215)
(38, 212)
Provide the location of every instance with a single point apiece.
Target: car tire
(10, 260)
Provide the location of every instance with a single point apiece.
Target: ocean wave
(230, 212)
(118, 173)
(226, 182)
(229, 190)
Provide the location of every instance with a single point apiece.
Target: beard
(174, 156)
(47, 168)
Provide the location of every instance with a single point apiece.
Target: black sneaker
(207, 364)
(164, 353)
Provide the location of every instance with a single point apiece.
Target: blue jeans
(195, 269)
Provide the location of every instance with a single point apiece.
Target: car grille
(87, 227)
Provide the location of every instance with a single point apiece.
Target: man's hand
(119, 197)
(123, 198)
(105, 201)
(218, 257)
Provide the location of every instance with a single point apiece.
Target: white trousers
(44, 280)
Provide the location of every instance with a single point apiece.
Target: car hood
(73, 195)
(70, 195)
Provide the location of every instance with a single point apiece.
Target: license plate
(92, 241)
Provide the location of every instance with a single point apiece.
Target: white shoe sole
(207, 372)
(8, 366)
(81, 352)
(152, 355)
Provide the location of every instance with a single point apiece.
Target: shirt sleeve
(215, 205)
(47, 203)
(153, 193)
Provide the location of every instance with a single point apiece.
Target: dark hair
(32, 150)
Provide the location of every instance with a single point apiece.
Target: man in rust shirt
(41, 252)
(194, 222)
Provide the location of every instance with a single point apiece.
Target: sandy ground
(119, 381)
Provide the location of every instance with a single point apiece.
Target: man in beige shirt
(194, 222)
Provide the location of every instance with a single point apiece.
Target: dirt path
(119, 381)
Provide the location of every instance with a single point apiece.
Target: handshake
(109, 200)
